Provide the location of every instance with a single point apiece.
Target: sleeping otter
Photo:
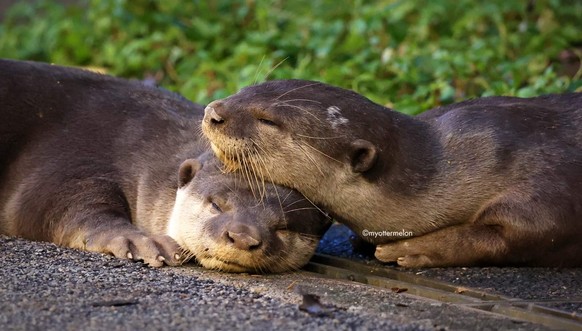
(94, 162)
(492, 181)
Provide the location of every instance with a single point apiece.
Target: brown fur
(92, 162)
(492, 181)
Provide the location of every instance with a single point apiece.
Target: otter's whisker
(264, 265)
(222, 256)
(245, 170)
(297, 100)
(258, 264)
(239, 174)
(272, 181)
(303, 110)
(223, 166)
(186, 255)
(316, 207)
(298, 209)
(253, 170)
(288, 195)
(322, 153)
(310, 157)
(202, 137)
(296, 201)
(258, 70)
(321, 138)
(258, 146)
(275, 67)
(257, 166)
(260, 187)
(293, 264)
(308, 236)
(230, 157)
(295, 89)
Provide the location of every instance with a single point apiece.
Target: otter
(489, 181)
(110, 165)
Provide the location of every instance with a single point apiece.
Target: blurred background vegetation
(409, 55)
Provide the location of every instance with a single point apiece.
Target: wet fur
(492, 181)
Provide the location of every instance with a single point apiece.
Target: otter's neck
(392, 196)
(413, 153)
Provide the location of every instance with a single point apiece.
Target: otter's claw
(152, 250)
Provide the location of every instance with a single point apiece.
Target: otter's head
(227, 226)
(301, 134)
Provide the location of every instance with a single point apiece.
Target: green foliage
(411, 55)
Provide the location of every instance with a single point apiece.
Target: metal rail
(525, 310)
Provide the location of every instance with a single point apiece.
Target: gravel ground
(45, 287)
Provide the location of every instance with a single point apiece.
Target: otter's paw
(152, 250)
(401, 253)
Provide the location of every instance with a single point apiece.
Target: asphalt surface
(557, 288)
(545, 286)
(45, 287)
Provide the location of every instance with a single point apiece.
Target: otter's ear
(187, 171)
(363, 155)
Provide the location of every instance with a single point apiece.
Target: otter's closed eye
(267, 122)
(216, 207)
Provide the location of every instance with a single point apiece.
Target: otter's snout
(212, 113)
(242, 236)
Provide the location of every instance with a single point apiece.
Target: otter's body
(493, 181)
(91, 161)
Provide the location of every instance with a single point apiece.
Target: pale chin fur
(187, 220)
(215, 264)
(217, 151)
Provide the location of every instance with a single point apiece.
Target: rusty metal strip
(379, 276)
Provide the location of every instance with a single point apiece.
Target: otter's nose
(243, 236)
(211, 113)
